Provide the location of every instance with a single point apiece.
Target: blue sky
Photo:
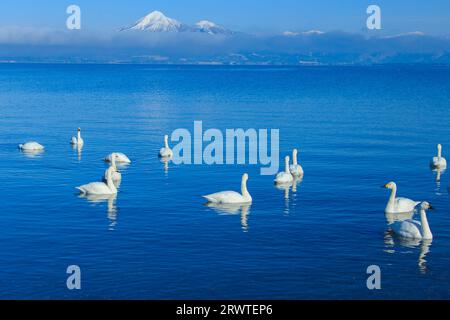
(268, 16)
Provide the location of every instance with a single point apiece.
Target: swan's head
(286, 159)
(244, 177)
(426, 206)
(439, 147)
(166, 138)
(79, 129)
(389, 185)
(294, 152)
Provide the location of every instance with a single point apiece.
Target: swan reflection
(233, 209)
(32, 153)
(394, 217)
(111, 206)
(286, 188)
(78, 148)
(392, 241)
(438, 172)
(165, 161)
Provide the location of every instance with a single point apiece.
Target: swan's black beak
(383, 186)
(431, 207)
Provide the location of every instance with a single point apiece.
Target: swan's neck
(79, 135)
(166, 143)
(294, 158)
(286, 166)
(113, 163)
(244, 190)
(439, 153)
(392, 196)
(426, 231)
(109, 181)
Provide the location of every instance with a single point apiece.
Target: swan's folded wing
(224, 197)
(94, 188)
(408, 228)
(405, 204)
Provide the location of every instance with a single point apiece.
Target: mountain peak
(206, 23)
(209, 27)
(156, 21)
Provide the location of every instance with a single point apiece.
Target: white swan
(285, 176)
(439, 162)
(77, 140)
(398, 205)
(120, 157)
(295, 169)
(225, 197)
(31, 146)
(166, 152)
(115, 174)
(415, 229)
(100, 188)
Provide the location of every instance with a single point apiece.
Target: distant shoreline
(312, 65)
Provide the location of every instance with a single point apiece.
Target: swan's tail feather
(82, 191)
(209, 198)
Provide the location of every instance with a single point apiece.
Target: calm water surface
(356, 128)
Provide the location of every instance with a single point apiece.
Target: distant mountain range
(156, 21)
(158, 39)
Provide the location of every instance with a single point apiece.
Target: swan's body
(120, 157)
(398, 205)
(284, 177)
(77, 140)
(295, 169)
(31, 146)
(439, 161)
(226, 197)
(115, 174)
(100, 188)
(166, 152)
(415, 229)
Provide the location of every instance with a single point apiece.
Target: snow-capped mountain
(406, 34)
(306, 33)
(312, 32)
(209, 27)
(156, 21)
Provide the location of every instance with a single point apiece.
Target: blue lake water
(356, 128)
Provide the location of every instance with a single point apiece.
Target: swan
(398, 205)
(166, 152)
(439, 162)
(120, 157)
(115, 174)
(100, 188)
(77, 140)
(225, 197)
(415, 229)
(31, 146)
(285, 176)
(295, 169)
